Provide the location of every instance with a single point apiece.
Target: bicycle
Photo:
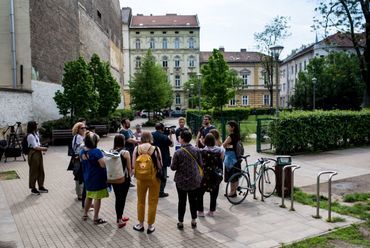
(263, 174)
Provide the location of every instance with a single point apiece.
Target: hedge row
(234, 113)
(301, 131)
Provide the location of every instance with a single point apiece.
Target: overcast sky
(232, 23)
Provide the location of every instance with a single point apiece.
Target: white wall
(15, 106)
(43, 104)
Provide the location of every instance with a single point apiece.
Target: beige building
(174, 41)
(247, 65)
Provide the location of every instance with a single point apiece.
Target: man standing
(130, 140)
(178, 131)
(204, 130)
(164, 142)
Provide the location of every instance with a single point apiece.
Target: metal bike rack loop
(295, 167)
(332, 173)
(254, 179)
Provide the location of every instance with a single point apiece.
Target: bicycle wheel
(242, 189)
(269, 186)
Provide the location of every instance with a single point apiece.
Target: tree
(339, 84)
(106, 87)
(150, 88)
(274, 32)
(79, 97)
(219, 82)
(351, 17)
(192, 87)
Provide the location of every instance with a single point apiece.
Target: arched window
(164, 43)
(191, 61)
(245, 74)
(177, 43)
(165, 61)
(137, 44)
(191, 43)
(138, 62)
(178, 99)
(177, 62)
(152, 43)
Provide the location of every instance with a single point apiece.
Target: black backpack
(25, 147)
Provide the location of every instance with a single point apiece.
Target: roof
(234, 57)
(164, 21)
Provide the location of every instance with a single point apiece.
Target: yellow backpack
(144, 166)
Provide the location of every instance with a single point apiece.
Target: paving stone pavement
(54, 219)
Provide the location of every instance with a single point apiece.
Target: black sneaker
(162, 195)
(35, 192)
(43, 190)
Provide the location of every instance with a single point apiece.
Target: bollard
(332, 173)
(295, 167)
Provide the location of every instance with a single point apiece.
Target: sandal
(85, 217)
(99, 221)
(125, 219)
(121, 224)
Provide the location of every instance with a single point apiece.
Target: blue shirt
(95, 177)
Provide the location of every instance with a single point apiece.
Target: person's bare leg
(97, 204)
(88, 202)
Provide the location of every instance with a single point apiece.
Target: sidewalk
(54, 219)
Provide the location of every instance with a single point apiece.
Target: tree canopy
(219, 82)
(150, 88)
(339, 84)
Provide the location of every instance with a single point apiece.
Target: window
(232, 102)
(165, 61)
(137, 44)
(191, 61)
(245, 74)
(177, 81)
(245, 101)
(304, 65)
(152, 32)
(178, 99)
(164, 32)
(99, 14)
(177, 62)
(164, 43)
(138, 62)
(191, 43)
(266, 100)
(296, 66)
(152, 43)
(176, 32)
(177, 43)
(300, 66)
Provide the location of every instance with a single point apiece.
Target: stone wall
(43, 104)
(54, 36)
(15, 106)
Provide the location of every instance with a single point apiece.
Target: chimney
(221, 49)
(243, 50)
(171, 14)
(140, 15)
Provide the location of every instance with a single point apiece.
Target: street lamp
(314, 81)
(192, 97)
(275, 52)
(199, 91)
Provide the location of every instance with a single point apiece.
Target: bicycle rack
(254, 179)
(295, 167)
(332, 173)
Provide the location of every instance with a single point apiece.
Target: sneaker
(200, 214)
(43, 190)
(139, 228)
(150, 229)
(211, 213)
(162, 195)
(193, 224)
(180, 226)
(35, 192)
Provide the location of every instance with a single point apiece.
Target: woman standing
(151, 185)
(187, 164)
(35, 160)
(78, 131)
(231, 162)
(212, 156)
(121, 189)
(95, 176)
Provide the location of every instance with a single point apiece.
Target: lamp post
(275, 52)
(192, 97)
(314, 81)
(199, 91)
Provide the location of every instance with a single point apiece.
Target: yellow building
(253, 92)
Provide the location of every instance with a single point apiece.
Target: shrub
(227, 113)
(123, 113)
(301, 131)
(48, 126)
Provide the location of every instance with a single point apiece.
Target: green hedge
(123, 113)
(301, 131)
(233, 113)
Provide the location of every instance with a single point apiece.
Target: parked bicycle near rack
(263, 174)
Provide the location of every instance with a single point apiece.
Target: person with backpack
(35, 160)
(187, 163)
(78, 131)
(121, 188)
(231, 161)
(146, 164)
(95, 176)
(212, 156)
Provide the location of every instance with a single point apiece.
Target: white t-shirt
(33, 140)
(77, 143)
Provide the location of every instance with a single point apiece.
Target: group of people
(146, 156)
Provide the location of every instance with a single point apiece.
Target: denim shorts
(230, 160)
